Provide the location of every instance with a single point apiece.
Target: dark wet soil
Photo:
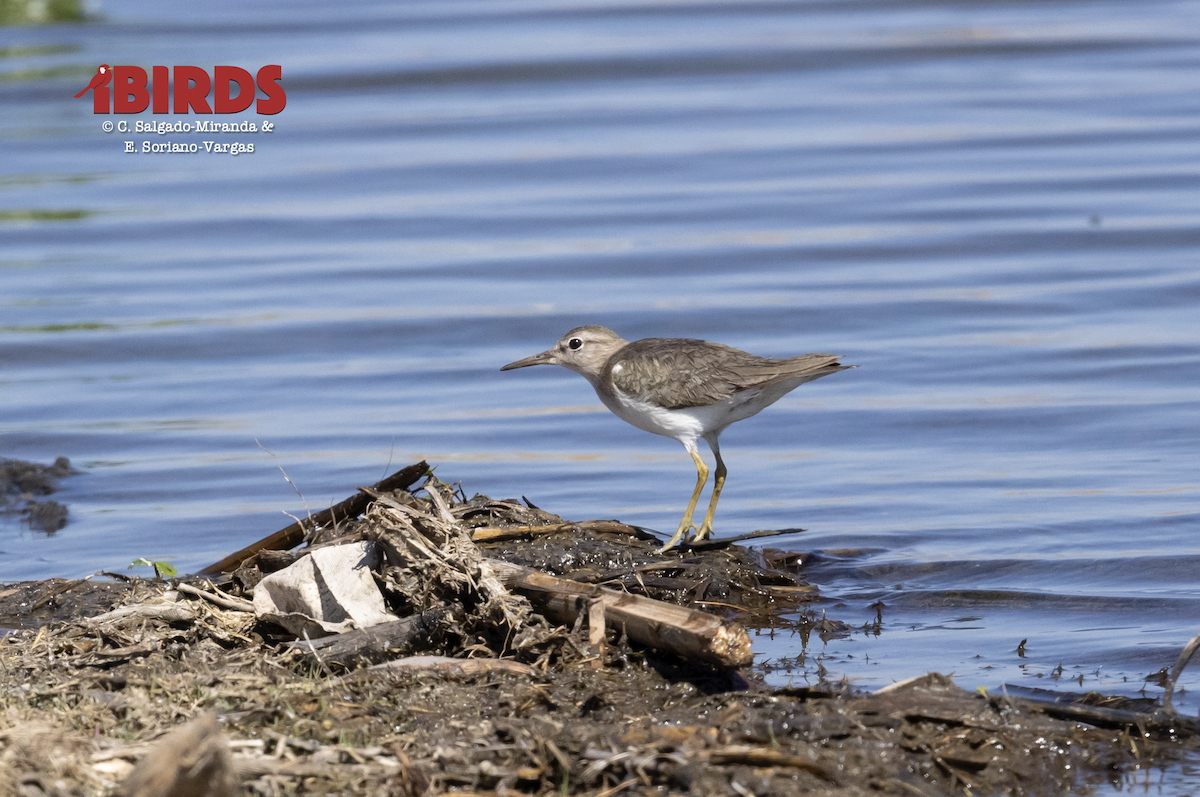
(22, 486)
(81, 698)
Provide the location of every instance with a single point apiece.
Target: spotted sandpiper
(681, 388)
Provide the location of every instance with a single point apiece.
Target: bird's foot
(705, 532)
(685, 528)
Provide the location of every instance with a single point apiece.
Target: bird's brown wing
(679, 372)
(806, 366)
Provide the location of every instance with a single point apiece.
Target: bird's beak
(545, 358)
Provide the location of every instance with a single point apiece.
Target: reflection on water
(990, 207)
(38, 12)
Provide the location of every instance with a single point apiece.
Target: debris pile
(422, 642)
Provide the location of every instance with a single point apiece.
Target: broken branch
(293, 535)
(686, 632)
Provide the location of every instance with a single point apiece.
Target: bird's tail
(794, 370)
(808, 367)
(816, 365)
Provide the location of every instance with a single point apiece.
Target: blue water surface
(991, 207)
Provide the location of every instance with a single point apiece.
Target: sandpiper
(681, 388)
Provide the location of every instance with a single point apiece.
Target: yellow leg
(686, 523)
(706, 529)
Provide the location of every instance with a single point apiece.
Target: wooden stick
(516, 532)
(293, 535)
(686, 632)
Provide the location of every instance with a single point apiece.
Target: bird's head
(584, 350)
(103, 69)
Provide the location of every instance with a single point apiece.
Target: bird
(682, 388)
(101, 78)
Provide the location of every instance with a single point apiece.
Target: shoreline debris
(394, 654)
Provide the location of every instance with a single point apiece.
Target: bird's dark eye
(575, 344)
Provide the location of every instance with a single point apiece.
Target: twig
(286, 478)
(316, 655)
(391, 453)
(1185, 656)
(767, 757)
(124, 579)
(224, 601)
(620, 787)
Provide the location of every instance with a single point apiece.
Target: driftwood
(373, 644)
(686, 632)
(294, 534)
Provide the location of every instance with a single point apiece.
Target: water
(991, 207)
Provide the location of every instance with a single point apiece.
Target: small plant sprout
(161, 569)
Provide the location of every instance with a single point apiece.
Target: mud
(85, 694)
(22, 485)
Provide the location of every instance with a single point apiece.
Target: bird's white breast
(683, 425)
(691, 423)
